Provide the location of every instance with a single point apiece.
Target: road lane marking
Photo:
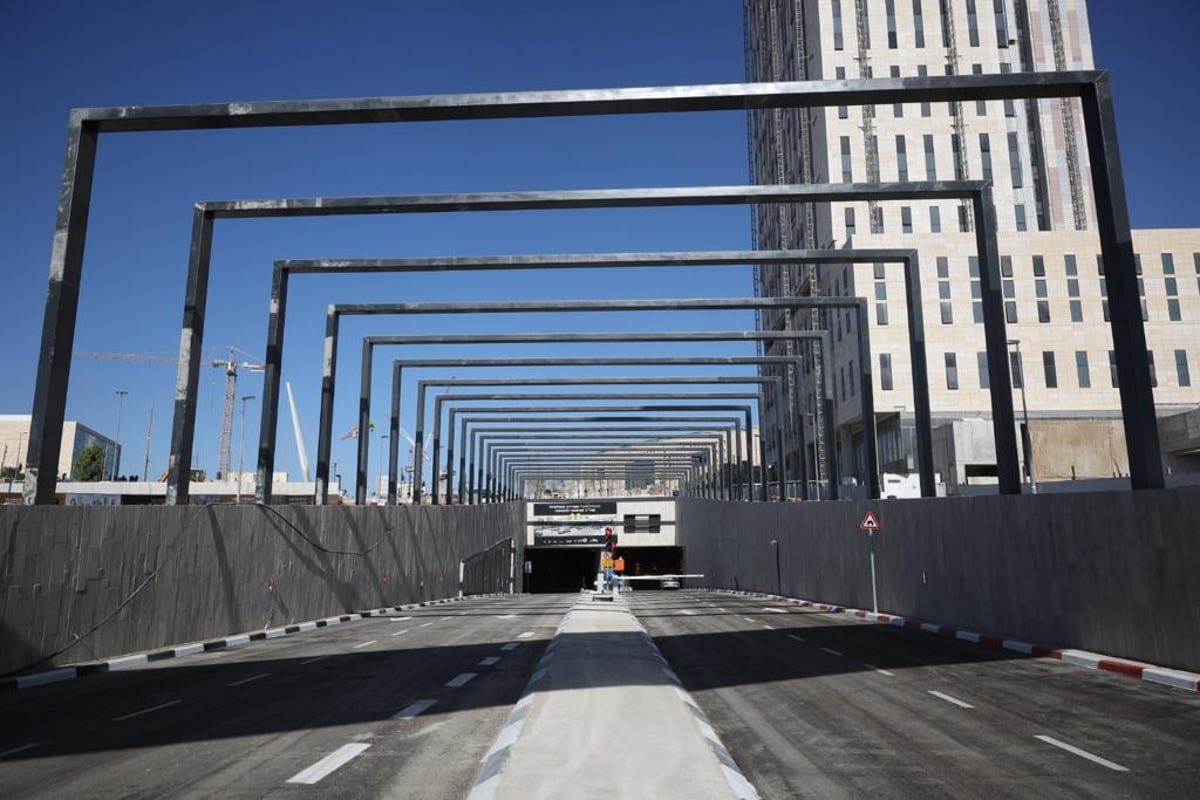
(426, 624)
(797, 638)
(462, 613)
(525, 635)
(460, 680)
(686, 611)
(511, 646)
(768, 627)
(1104, 762)
(950, 699)
(364, 644)
(831, 651)
(506, 616)
(721, 610)
(311, 660)
(446, 618)
(880, 671)
(417, 708)
(399, 633)
(338, 758)
(750, 619)
(248, 680)
(776, 610)
(489, 661)
(399, 619)
(158, 707)
(20, 749)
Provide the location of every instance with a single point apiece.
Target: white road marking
(460, 680)
(769, 627)
(248, 680)
(311, 660)
(686, 611)
(831, 651)
(721, 610)
(880, 671)
(950, 699)
(511, 646)
(426, 624)
(797, 638)
(399, 633)
(462, 613)
(338, 758)
(364, 644)
(525, 635)
(506, 616)
(20, 749)
(749, 619)
(399, 619)
(489, 661)
(776, 610)
(446, 618)
(167, 704)
(417, 708)
(1104, 762)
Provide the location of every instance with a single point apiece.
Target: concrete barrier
(1115, 573)
(99, 581)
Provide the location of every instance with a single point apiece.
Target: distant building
(1055, 297)
(77, 437)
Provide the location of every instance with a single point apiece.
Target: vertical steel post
(394, 437)
(920, 371)
(867, 387)
(272, 375)
(364, 424)
(325, 424)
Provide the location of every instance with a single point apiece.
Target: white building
(1036, 154)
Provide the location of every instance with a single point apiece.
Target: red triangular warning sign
(869, 522)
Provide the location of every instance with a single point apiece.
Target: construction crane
(353, 434)
(231, 366)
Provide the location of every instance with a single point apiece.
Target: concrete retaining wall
(220, 569)
(1117, 573)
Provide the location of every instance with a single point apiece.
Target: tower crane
(353, 434)
(231, 366)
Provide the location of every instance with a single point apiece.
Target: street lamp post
(242, 447)
(1026, 436)
(117, 453)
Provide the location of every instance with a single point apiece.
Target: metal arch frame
(423, 385)
(521, 414)
(555, 438)
(858, 304)
(1092, 87)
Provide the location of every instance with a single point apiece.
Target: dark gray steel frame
(1093, 88)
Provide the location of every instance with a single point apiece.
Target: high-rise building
(1055, 296)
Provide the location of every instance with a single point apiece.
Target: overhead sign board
(569, 508)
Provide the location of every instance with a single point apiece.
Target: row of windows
(999, 18)
(1083, 375)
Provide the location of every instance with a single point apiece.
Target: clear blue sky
(56, 55)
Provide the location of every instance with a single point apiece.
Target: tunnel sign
(869, 522)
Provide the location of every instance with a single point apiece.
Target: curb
(1164, 676)
(234, 640)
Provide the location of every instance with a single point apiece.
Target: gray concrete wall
(1117, 573)
(220, 569)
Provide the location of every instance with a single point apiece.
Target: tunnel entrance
(561, 569)
(651, 561)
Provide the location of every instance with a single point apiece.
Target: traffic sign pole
(871, 525)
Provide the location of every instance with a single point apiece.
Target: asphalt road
(397, 706)
(818, 705)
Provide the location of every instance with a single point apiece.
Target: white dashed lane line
(880, 671)
(1104, 762)
(526, 635)
(426, 624)
(776, 610)
(685, 611)
(769, 627)
(511, 646)
(364, 644)
(749, 619)
(797, 638)
(399, 619)
(152, 709)
(460, 680)
(831, 651)
(20, 749)
(489, 661)
(338, 758)
(949, 699)
(311, 660)
(400, 633)
(417, 708)
(251, 679)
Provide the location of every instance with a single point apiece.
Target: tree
(90, 466)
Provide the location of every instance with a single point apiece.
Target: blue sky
(57, 55)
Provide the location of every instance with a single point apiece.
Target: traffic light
(610, 540)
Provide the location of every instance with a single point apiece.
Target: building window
(1014, 160)
(1022, 225)
(1014, 366)
(1153, 371)
(976, 290)
(972, 24)
(850, 227)
(956, 151)
(943, 267)
(1081, 369)
(927, 108)
(838, 42)
(840, 74)
(880, 290)
(847, 171)
(1040, 291)
(1196, 259)
(1009, 288)
(930, 159)
(890, 6)
(1010, 106)
(902, 158)
(1039, 268)
(951, 371)
(980, 105)
(935, 219)
(1112, 368)
(881, 314)
(1168, 262)
(1072, 268)
(963, 227)
(918, 23)
(906, 221)
(897, 108)
(1050, 370)
(1172, 285)
(985, 155)
(944, 18)
(885, 372)
(1001, 23)
(985, 378)
(879, 271)
(1071, 265)
(1181, 368)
